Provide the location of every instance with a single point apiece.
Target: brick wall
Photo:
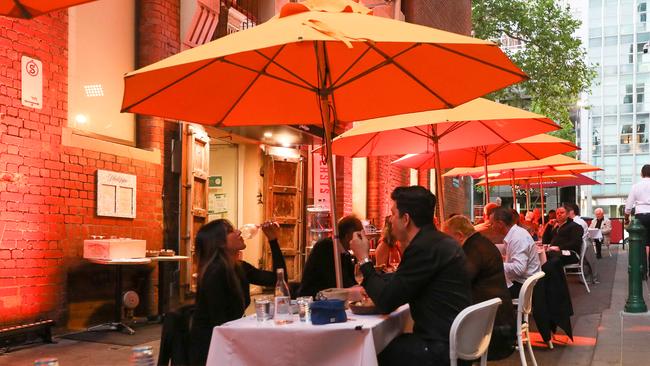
(454, 16)
(47, 190)
(382, 179)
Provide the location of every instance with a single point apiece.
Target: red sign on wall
(321, 180)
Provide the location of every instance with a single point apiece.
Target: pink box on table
(114, 248)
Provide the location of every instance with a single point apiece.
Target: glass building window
(642, 12)
(627, 96)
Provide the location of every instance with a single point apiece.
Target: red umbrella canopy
(28, 9)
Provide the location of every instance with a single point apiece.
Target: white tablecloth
(249, 342)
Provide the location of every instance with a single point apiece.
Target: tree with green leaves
(551, 55)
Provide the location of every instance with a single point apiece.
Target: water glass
(46, 362)
(303, 307)
(263, 308)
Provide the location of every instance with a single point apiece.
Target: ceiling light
(81, 119)
(94, 90)
(268, 134)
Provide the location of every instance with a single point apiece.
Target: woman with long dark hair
(223, 280)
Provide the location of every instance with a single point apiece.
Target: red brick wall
(47, 190)
(454, 16)
(382, 179)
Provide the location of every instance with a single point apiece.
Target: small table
(246, 341)
(163, 296)
(117, 324)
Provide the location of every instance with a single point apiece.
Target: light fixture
(268, 134)
(94, 90)
(81, 118)
(284, 140)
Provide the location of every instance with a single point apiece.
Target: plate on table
(366, 307)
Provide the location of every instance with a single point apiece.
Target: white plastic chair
(579, 268)
(471, 332)
(524, 308)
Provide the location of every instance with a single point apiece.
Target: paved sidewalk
(631, 346)
(596, 326)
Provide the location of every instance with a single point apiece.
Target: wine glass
(358, 275)
(393, 261)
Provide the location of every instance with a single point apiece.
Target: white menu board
(115, 194)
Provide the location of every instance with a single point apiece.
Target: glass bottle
(249, 231)
(142, 356)
(282, 300)
(46, 362)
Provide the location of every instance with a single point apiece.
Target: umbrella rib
(350, 67)
(250, 85)
(524, 76)
(151, 95)
(310, 88)
(423, 133)
(409, 74)
(272, 60)
(456, 125)
(22, 9)
(387, 61)
(365, 144)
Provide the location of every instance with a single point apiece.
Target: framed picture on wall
(116, 194)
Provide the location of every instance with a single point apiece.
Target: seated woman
(388, 253)
(223, 280)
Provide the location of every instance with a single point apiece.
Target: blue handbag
(328, 311)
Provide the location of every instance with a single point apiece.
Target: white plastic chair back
(526, 293)
(471, 331)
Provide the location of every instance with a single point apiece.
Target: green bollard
(636, 259)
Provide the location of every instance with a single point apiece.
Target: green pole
(635, 303)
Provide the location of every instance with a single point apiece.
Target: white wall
(359, 186)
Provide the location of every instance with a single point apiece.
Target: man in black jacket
(431, 278)
(563, 234)
(319, 268)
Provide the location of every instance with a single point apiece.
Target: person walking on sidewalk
(639, 200)
(605, 226)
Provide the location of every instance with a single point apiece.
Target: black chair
(175, 337)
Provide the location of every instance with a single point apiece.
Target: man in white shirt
(522, 260)
(639, 200)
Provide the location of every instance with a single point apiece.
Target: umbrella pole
(323, 73)
(541, 194)
(440, 186)
(514, 191)
(487, 180)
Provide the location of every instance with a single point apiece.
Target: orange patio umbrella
(553, 165)
(534, 147)
(319, 62)
(28, 9)
(478, 127)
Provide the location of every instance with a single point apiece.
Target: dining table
(357, 341)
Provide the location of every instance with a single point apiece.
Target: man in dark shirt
(319, 268)
(431, 278)
(563, 234)
(484, 267)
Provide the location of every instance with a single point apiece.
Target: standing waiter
(639, 199)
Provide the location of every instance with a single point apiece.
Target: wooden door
(194, 198)
(284, 178)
